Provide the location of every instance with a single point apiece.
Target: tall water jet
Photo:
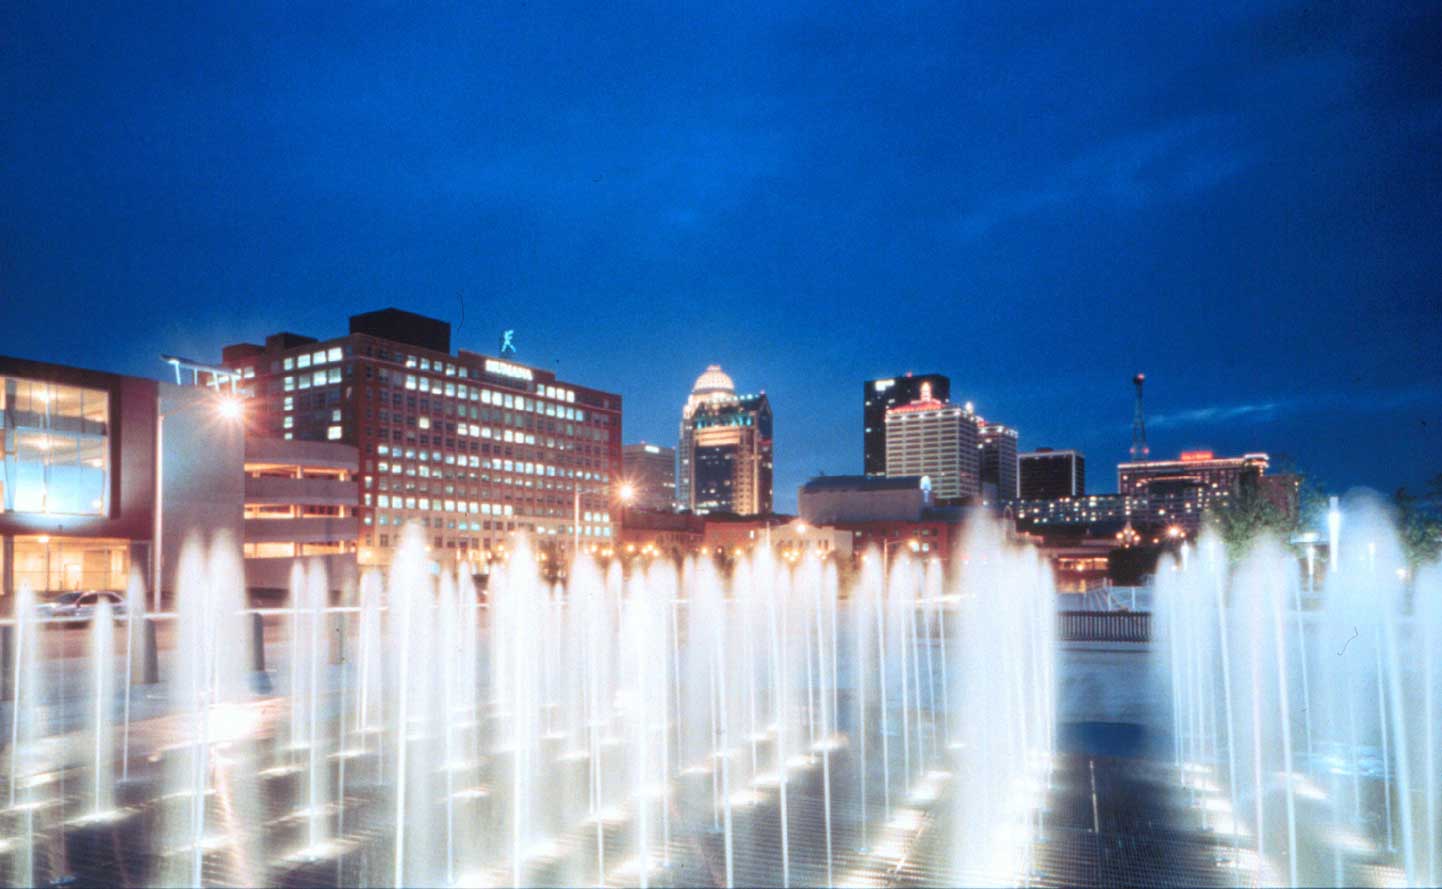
(102, 693)
(24, 734)
(134, 648)
(1002, 672)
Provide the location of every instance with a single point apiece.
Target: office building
(879, 396)
(933, 438)
(1209, 478)
(997, 444)
(650, 470)
(725, 452)
(1045, 474)
(301, 501)
(471, 447)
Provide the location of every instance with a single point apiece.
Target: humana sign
(506, 369)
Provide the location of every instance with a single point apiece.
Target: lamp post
(229, 409)
(886, 546)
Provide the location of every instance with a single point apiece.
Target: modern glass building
(1046, 474)
(651, 471)
(724, 458)
(77, 479)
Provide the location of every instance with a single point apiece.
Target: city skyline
(1254, 235)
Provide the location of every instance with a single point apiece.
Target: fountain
(1304, 721)
(773, 720)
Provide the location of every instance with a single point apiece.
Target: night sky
(1244, 203)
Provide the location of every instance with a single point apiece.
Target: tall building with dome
(723, 458)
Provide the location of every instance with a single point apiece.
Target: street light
(229, 408)
(912, 543)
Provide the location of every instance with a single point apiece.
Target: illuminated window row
(305, 381)
(462, 392)
(322, 356)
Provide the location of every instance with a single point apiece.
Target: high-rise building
(724, 457)
(879, 396)
(468, 446)
(933, 438)
(1045, 474)
(1198, 474)
(997, 444)
(651, 471)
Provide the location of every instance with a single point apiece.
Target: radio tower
(1139, 424)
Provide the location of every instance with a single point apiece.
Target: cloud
(1380, 401)
(1181, 158)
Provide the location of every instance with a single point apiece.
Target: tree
(1247, 517)
(1418, 528)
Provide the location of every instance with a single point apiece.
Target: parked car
(82, 604)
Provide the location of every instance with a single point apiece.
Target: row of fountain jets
(1307, 711)
(657, 724)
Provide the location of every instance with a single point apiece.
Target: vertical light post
(1334, 534)
(886, 546)
(625, 494)
(228, 409)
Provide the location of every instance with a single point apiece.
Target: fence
(1104, 626)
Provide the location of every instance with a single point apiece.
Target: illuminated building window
(57, 448)
(70, 563)
(333, 433)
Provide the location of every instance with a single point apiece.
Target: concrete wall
(829, 507)
(202, 473)
(274, 574)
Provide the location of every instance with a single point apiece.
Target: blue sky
(1242, 201)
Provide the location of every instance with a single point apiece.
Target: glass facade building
(56, 448)
(77, 483)
(724, 458)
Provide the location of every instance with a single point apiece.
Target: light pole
(886, 545)
(227, 408)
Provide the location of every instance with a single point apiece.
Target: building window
(332, 433)
(53, 564)
(57, 445)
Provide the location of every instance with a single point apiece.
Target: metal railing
(1104, 626)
